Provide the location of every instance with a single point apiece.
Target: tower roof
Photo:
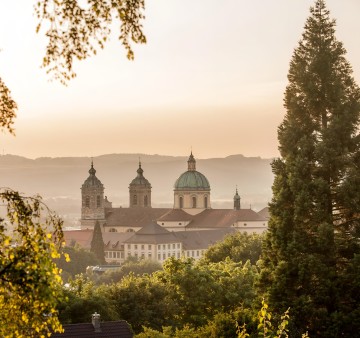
(236, 196)
(92, 180)
(140, 179)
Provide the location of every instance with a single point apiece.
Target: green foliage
(142, 300)
(185, 294)
(225, 325)
(82, 299)
(266, 328)
(313, 235)
(137, 267)
(201, 290)
(80, 259)
(97, 243)
(8, 108)
(239, 247)
(30, 282)
(76, 29)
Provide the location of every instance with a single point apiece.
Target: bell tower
(92, 201)
(140, 191)
(237, 200)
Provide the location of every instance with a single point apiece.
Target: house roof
(117, 329)
(264, 213)
(153, 234)
(197, 240)
(212, 218)
(209, 218)
(81, 237)
(175, 215)
(134, 217)
(113, 240)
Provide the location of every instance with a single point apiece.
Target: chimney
(95, 319)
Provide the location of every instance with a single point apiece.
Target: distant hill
(59, 179)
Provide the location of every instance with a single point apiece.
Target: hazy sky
(211, 77)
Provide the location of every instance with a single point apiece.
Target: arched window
(205, 202)
(194, 202)
(145, 201)
(112, 230)
(98, 201)
(130, 230)
(181, 202)
(87, 201)
(135, 199)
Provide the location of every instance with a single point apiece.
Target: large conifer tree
(311, 256)
(97, 243)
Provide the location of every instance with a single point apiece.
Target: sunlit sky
(211, 77)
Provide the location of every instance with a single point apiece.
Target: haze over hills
(59, 179)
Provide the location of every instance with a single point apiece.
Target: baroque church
(140, 230)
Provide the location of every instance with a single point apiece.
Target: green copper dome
(192, 180)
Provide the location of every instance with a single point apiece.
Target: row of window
(169, 254)
(114, 254)
(142, 255)
(135, 200)
(194, 202)
(98, 201)
(161, 256)
(159, 246)
(194, 253)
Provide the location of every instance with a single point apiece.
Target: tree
(97, 243)
(313, 235)
(143, 300)
(80, 259)
(7, 108)
(137, 267)
(82, 299)
(75, 30)
(29, 279)
(30, 282)
(239, 247)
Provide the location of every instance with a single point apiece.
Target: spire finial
(191, 162)
(92, 170)
(140, 171)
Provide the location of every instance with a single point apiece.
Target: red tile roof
(81, 237)
(212, 218)
(133, 217)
